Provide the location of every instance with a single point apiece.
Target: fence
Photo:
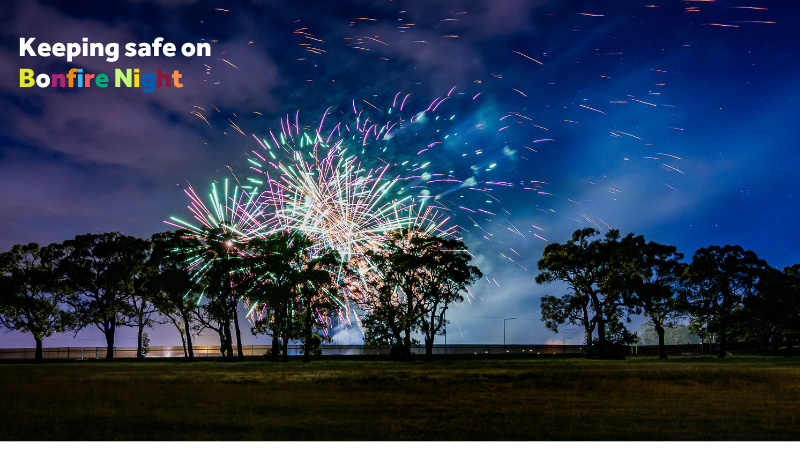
(675, 350)
(206, 351)
(698, 349)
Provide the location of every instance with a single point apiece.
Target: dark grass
(692, 398)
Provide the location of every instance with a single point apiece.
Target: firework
(355, 174)
(222, 229)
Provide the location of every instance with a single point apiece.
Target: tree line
(205, 280)
(727, 293)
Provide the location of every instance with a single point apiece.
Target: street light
(504, 329)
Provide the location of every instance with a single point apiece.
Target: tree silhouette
(650, 276)
(170, 286)
(101, 271)
(416, 276)
(720, 284)
(591, 270)
(216, 257)
(383, 303)
(446, 273)
(792, 302)
(315, 286)
(773, 312)
(572, 309)
(292, 282)
(396, 303)
(32, 291)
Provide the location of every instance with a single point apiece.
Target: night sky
(672, 119)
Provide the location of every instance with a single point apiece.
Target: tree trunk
(430, 336)
(110, 342)
(428, 348)
(601, 339)
(139, 354)
(222, 346)
(240, 354)
(276, 348)
(407, 345)
(183, 343)
(228, 343)
(188, 336)
(307, 344)
(662, 348)
(38, 355)
(723, 345)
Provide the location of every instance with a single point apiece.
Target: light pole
(565, 335)
(504, 329)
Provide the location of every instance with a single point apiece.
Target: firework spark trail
(227, 218)
(226, 212)
(321, 188)
(285, 178)
(298, 172)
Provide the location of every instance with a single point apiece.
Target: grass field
(691, 398)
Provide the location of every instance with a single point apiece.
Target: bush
(145, 344)
(396, 352)
(617, 345)
(268, 353)
(315, 342)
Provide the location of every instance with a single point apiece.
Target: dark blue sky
(617, 89)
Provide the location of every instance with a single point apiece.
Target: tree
(31, 292)
(395, 301)
(591, 270)
(761, 317)
(273, 286)
(377, 326)
(720, 283)
(773, 314)
(269, 323)
(143, 315)
(143, 311)
(215, 316)
(792, 302)
(649, 280)
(206, 317)
(315, 281)
(446, 273)
(101, 269)
(384, 322)
(293, 283)
(415, 277)
(170, 286)
(572, 309)
(216, 255)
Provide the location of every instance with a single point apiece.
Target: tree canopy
(101, 271)
(590, 268)
(294, 283)
(721, 282)
(416, 277)
(32, 292)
